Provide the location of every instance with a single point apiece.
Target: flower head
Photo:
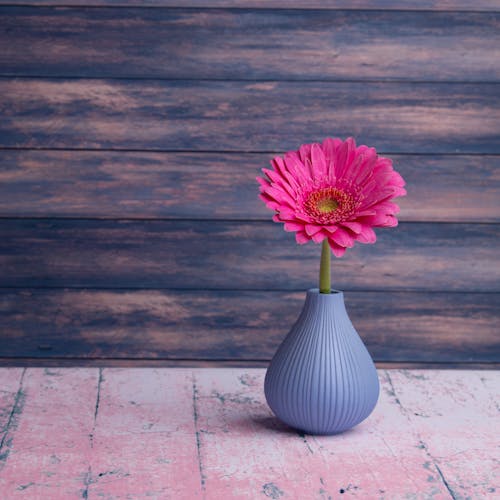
(335, 191)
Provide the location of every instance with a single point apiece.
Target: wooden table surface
(113, 433)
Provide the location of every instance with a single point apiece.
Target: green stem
(324, 268)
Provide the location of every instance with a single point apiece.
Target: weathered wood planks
(125, 118)
(240, 256)
(238, 116)
(218, 185)
(385, 457)
(11, 402)
(49, 447)
(443, 413)
(224, 325)
(208, 433)
(250, 44)
(145, 422)
(398, 5)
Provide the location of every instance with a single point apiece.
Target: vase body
(322, 379)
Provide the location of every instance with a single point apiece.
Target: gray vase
(322, 379)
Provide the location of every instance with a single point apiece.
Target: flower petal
(293, 226)
(391, 221)
(279, 195)
(344, 157)
(342, 238)
(319, 237)
(286, 214)
(312, 229)
(355, 227)
(367, 235)
(264, 183)
(337, 250)
(273, 205)
(301, 237)
(279, 165)
(318, 162)
(296, 168)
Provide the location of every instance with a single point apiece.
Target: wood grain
(215, 363)
(153, 407)
(244, 326)
(120, 119)
(11, 398)
(237, 116)
(240, 255)
(250, 44)
(403, 446)
(218, 185)
(50, 446)
(446, 421)
(399, 5)
(208, 433)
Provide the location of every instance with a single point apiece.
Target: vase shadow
(272, 423)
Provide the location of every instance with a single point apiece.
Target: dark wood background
(130, 137)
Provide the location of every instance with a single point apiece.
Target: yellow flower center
(327, 205)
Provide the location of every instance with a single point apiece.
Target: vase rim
(315, 291)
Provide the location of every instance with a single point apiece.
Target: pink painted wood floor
(207, 433)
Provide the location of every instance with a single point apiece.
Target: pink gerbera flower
(334, 191)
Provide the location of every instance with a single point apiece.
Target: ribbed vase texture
(322, 379)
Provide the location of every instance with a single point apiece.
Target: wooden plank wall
(130, 137)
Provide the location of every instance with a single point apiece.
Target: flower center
(329, 205)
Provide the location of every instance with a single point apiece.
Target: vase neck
(317, 301)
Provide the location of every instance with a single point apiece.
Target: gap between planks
(68, 362)
(257, 5)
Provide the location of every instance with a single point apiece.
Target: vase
(322, 379)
